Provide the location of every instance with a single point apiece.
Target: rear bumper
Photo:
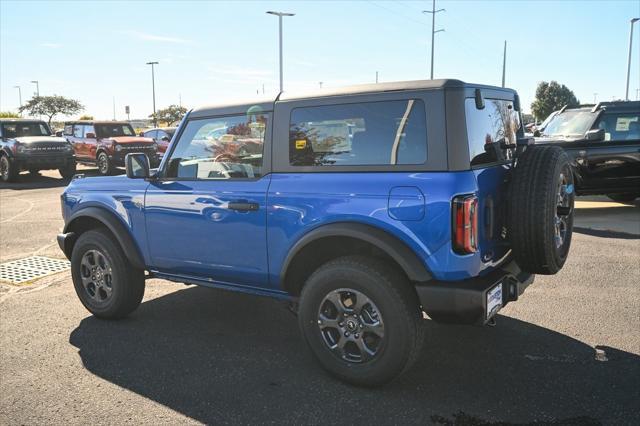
(465, 302)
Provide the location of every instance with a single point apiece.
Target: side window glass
(150, 134)
(220, 148)
(369, 133)
(78, 131)
(89, 129)
(620, 127)
(68, 130)
(488, 128)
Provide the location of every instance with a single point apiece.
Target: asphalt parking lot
(567, 353)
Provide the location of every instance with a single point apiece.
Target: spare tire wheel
(540, 209)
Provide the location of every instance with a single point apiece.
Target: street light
(280, 15)
(37, 87)
(433, 12)
(153, 87)
(19, 95)
(633, 21)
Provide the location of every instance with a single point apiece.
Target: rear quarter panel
(301, 202)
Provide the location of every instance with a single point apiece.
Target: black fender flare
(6, 151)
(413, 267)
(111, 222)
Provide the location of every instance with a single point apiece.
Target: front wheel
(105, 168)
(105, 281)
(623, 198)
(361, 320)
(8, 170)
(68, 171)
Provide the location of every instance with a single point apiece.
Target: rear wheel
(623, 198)
(361, 320)
(68, 171)
(540, 217)
(8, 170)
(104, 280)
(105, 168)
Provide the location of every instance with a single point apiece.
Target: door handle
(243, 206)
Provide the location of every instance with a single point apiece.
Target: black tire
(35, 172)
(540, 209)
(68, 171)
(8, 171)
(105, 167)
(126, 282)
(391, 297)
(623, 198)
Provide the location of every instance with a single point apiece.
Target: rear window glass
(488, 128)
(370, 133)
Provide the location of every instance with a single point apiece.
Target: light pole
(504, 62)
(280, 15)
(153, 87)
(595, 96)
(19, 95)
(633, 21)
(433, 12)
(37, 87)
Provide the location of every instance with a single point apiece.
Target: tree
(8, 114)
(552, 97)
(51, 105)
(170, 115)
(86, 117)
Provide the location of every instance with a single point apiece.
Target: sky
(212, 52)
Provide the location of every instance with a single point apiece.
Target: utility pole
(153, 87)
(19, 96)
(114, 108)
(37, 87)
(280, 15)
(504, 62)
(376, 77)
(595, 96)
(433, 12)
(180, 100)
(626, 93)
(320, 83)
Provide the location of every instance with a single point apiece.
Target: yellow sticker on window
(301, 144)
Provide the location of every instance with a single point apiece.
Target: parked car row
(30, 145)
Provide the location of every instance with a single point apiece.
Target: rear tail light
(465, 224)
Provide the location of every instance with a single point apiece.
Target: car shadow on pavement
(222, 357)
(48, 180)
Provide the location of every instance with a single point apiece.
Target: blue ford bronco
(369, 207)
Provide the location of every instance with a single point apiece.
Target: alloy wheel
(351, 325)
(563, 208)
(97, 276)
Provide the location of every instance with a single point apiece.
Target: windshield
(114, 130)
(547, 120)
(16, 130)
(569, 123)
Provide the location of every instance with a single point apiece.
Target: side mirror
(165, 139)
(90, 135)
(141, 134)
(137, 166)
(595, 135)
(59, 133)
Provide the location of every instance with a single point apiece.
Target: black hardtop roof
(266, 104)
(608, 106)
(21, 120)
(95, 122)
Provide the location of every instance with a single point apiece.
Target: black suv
(603, 142)
(29, 145)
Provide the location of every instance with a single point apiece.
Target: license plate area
(494, 300)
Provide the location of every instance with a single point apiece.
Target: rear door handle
(244, 206)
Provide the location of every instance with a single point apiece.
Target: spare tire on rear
(540, 209)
